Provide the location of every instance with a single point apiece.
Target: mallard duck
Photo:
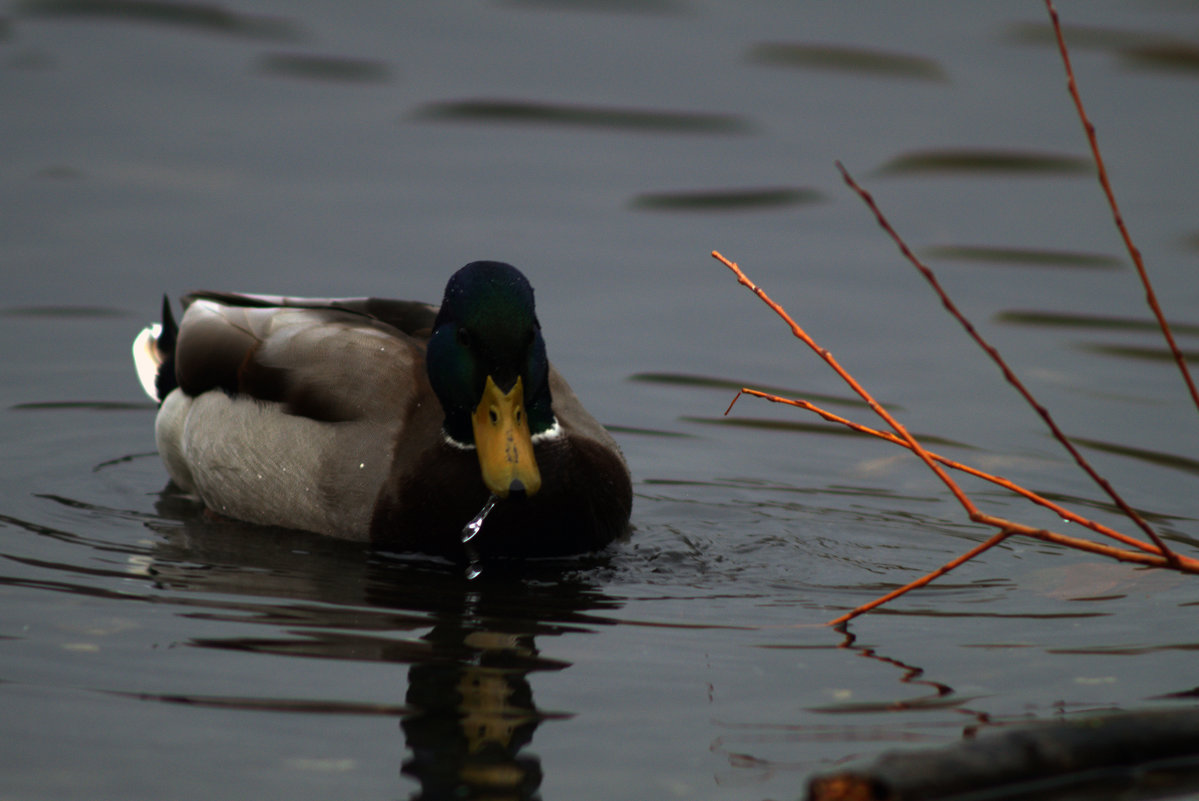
(386, 421)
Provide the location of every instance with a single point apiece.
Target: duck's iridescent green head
(487, 365)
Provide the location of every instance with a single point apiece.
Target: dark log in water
(1125, 755)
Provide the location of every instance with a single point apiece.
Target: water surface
(150, 650)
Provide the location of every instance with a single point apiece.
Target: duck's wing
(332, 361)
(410, 316)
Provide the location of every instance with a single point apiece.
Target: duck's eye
(463, 338)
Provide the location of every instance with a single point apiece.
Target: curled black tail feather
(166, 380)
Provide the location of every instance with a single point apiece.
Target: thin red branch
(1180, 564)
(1148, 559)
(1157, 555)
(1011, 377)
(874, 405)
(1191, 565)
(1133, 251)
(923, 580)
(1007, 528)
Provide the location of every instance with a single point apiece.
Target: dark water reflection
(528, 112)
(966, 161)
(473, 712)
(726, 199)
(1077, 320)
(1023, 257)
(849, 59)
(469, 713)
(207, 18)
(470, 647)
(1140, 49)
(302, 66)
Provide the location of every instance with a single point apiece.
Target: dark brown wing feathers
(227, 347)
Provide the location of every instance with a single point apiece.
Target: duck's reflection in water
(469, 714)
(472, 719)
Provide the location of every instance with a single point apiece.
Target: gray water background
(149, 651)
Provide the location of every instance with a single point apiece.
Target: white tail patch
(147, 358)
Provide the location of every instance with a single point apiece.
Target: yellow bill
(503, 441)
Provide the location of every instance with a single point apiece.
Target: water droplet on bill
(469, 532)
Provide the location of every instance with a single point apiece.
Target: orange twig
(874, 405)
(1133, 251)
(975, 514)
(1011, 377)
(923, 580)
(1158, 554)
(1151, 560)
(1187, 563)
(1007, 528)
